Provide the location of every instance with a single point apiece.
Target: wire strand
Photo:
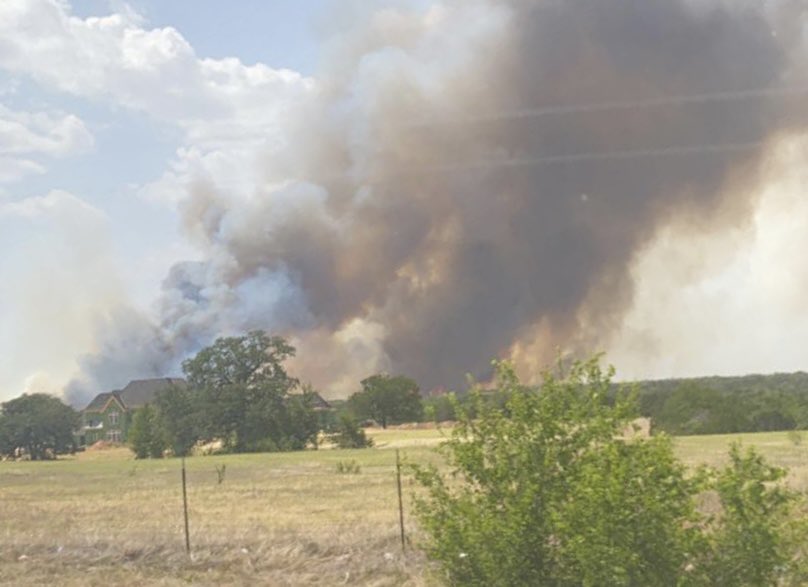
(617, 105)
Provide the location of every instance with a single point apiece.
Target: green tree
(388, 400)
(245, 394)
(38, 423)
(301, 420)
(694, 409)
(549, 491)
(179, 418)
(440, 408)
(146, 436)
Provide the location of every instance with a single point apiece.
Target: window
(114, 436)
(113, 418)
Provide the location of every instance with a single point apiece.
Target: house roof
(100, 401)
(319, 402)
(143, 391)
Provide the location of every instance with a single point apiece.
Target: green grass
(104, 518)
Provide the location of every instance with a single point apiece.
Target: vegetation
(721, 405)
(239, 394)
(706, 405)
(243, 394)
(100, 517)
(179, 418)
(39, 424)
(348, 467)
(388, 400)
(549, 492)
(146, 435)
(349, 434)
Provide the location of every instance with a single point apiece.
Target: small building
(109, 415)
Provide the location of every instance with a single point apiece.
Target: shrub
(754, 538)
(348, 468)
(548, 492)
(350, 435)
(146, 437)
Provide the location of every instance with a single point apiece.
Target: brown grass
(103, 518)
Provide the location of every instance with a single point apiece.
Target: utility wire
(599, 156)
(514, 162)
(603, 155)
(617, 105)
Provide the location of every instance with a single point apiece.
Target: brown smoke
(467, 177)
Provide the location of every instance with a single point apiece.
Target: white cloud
(33, 134)
(42, 132)
(15, 168)
(228, 112)
(152, 70)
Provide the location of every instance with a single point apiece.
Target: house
(109, 415)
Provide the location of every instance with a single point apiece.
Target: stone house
(109, 415)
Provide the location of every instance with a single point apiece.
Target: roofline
(117, 399)
(106, 405)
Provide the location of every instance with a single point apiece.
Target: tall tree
(244, 393)
(388, 400)
(146, 437)
(179, 418)
(38, 423)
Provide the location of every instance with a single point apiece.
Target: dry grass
(282, 519)
(789, 450)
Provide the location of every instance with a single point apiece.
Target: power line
(415, 169)
(616, 105)
(599, 156)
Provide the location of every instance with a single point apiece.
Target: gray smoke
(475, 176)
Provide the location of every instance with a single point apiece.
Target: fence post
(400, 500)
(185, 510)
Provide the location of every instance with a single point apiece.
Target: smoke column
(476, 180)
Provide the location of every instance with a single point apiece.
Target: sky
(122, 123)
(80, 154)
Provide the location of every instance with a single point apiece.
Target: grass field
(103, 518)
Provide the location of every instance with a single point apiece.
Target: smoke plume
(477, 179)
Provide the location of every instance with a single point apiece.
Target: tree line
(240, 396)
(706, 405)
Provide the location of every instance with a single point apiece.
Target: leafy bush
(349, 434)
(146, 437)
(754, 539)
(549, 492)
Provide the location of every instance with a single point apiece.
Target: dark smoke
(467, 178)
